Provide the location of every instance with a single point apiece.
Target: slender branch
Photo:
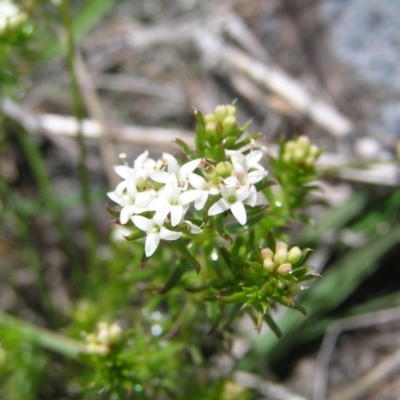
(45, 338)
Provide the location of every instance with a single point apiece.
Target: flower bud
(294, 255)
(220, 113)
(281, 245)
(209, 118)
(268, 265)
(294, 288)
(303, 141)
(284, 269)
(280, 256)
(224, 169)
(299, 155)
(267, 253)
(280, 285)
(115, 333)
(231, 109)
(210, 128)
(229, 122)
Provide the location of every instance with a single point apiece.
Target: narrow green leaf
(176, 276)
(272, 324)
(181, 247)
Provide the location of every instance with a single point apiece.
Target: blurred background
(328, 69)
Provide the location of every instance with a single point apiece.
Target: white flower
(155, 232)
(232, 198)
(172, 200)
(182, 173)
(246, 167)
(130, 200)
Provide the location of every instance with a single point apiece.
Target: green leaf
(181, 247)
(184, 147)
(176, 276)
(272, 324)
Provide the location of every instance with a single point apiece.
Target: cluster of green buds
(301, 153)
(221, 123)
(104, 340)
(275, 277)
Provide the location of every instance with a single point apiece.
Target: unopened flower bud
(289, 146)
(280, 256)
(224, 169)
(269, 265)
(267, 253)
(299, 155)
(303, 141)
(280, 285)
(209, 118)
(99, 349)
(220, 113)
(294, 255)
(281, 245)
(231, 110)
(284, 269)
(115, 333)
(309, 161)
(313, 151)
(229, 121)
(210, 128)
(294, 288)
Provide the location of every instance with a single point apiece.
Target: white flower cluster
(167, 189)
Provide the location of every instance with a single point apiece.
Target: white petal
(126, 214)
(231, 181)
(158, 204)
(239, 212)
(219, 207)
(189, 196)
(160, 215)
(144, 224)
(254, 157)
(173, 166)
(194, 229)
(144, 198)
(201, 201)
(188, 168)
(123, 171)
(114, 196)
(166, 234)
(176, 215)
(138, 164)
(160, 177)
(252, 199)
(131, 187)
(197, 181)
(152, 242)
(243, 192)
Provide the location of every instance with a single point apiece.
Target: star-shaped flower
(155, 232)
(232, 199)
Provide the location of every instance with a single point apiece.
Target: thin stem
(78, 112)
(49, 340)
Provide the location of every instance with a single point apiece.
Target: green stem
(78, 112)
(43, 337)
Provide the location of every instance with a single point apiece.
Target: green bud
(220, 113)
(209, 118)
(287, 158)
(303, 141)
(294, 255)
(229, 122)
(268, 265)
(211, 128)
(287, 301)
(299, 155)
(313, 150)
(294, 288)
(231, 109)
(267, 253)
(290, 146)
(224, 169)
(280, 285)
(284, 269)
(280, 256)
(281, 245)
(309, 161)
